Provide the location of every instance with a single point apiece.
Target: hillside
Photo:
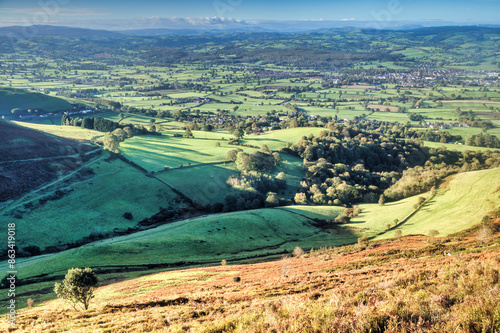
(398, 285)
(29, 158)
(460, 203)
(231, 236)
(242, 237)
(25, 100)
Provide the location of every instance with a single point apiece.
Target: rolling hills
(11, 98)
(267, 233)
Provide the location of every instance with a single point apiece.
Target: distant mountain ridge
(59, 31)
(229, 27)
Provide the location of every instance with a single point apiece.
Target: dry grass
(402, 285)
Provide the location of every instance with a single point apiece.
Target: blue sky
(81, 13)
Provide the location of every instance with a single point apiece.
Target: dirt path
(53, 157)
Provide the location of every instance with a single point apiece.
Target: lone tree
(77, 288)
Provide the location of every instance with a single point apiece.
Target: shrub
(223, 262)
(433, 233)
(30, 302)
(342, 219)
(236, 279)
(298, 252)
(398, 233)
(363, 241)
(77, 288)
(128, 216)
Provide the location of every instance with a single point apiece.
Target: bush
(77, 288)
(128, 216)
(236, 279)
(298, 252)
(30, 302)
(363, 241)
(433, 233)
(342, 219)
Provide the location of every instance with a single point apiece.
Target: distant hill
(49, 30)
(11, 98)
(211, 26)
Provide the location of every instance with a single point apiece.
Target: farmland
(173, 153)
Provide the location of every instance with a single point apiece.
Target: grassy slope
(271, 231)
(87, 208)
(207, 239)
(460, 205)
(70, 132)
(155, 152)
(394, 283)
(22, 99)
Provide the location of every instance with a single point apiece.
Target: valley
(333, 172)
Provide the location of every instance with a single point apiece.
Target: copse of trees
(255, 181)
(349, 164)
(440, 164)
(98, 123)
(255, 161)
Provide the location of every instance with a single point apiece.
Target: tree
(77, 288)
(300, 199)
(381, 200)
(272, 200)
(188, 133)
(120, 134)
(111, 142)
(238, 133)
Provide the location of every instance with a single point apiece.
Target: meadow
(83, 209)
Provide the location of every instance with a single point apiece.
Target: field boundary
(409, 216)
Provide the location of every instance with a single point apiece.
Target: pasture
(85, 207)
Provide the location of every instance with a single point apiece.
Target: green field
(154, 152)
(92, 205)
(208, 239)
(22, 99)
(458, 206)
(456, 147)
(70, 132)
(277, 139)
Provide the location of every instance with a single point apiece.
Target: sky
(108, 13)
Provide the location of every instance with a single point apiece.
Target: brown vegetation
(404, 285)
(29, 158)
